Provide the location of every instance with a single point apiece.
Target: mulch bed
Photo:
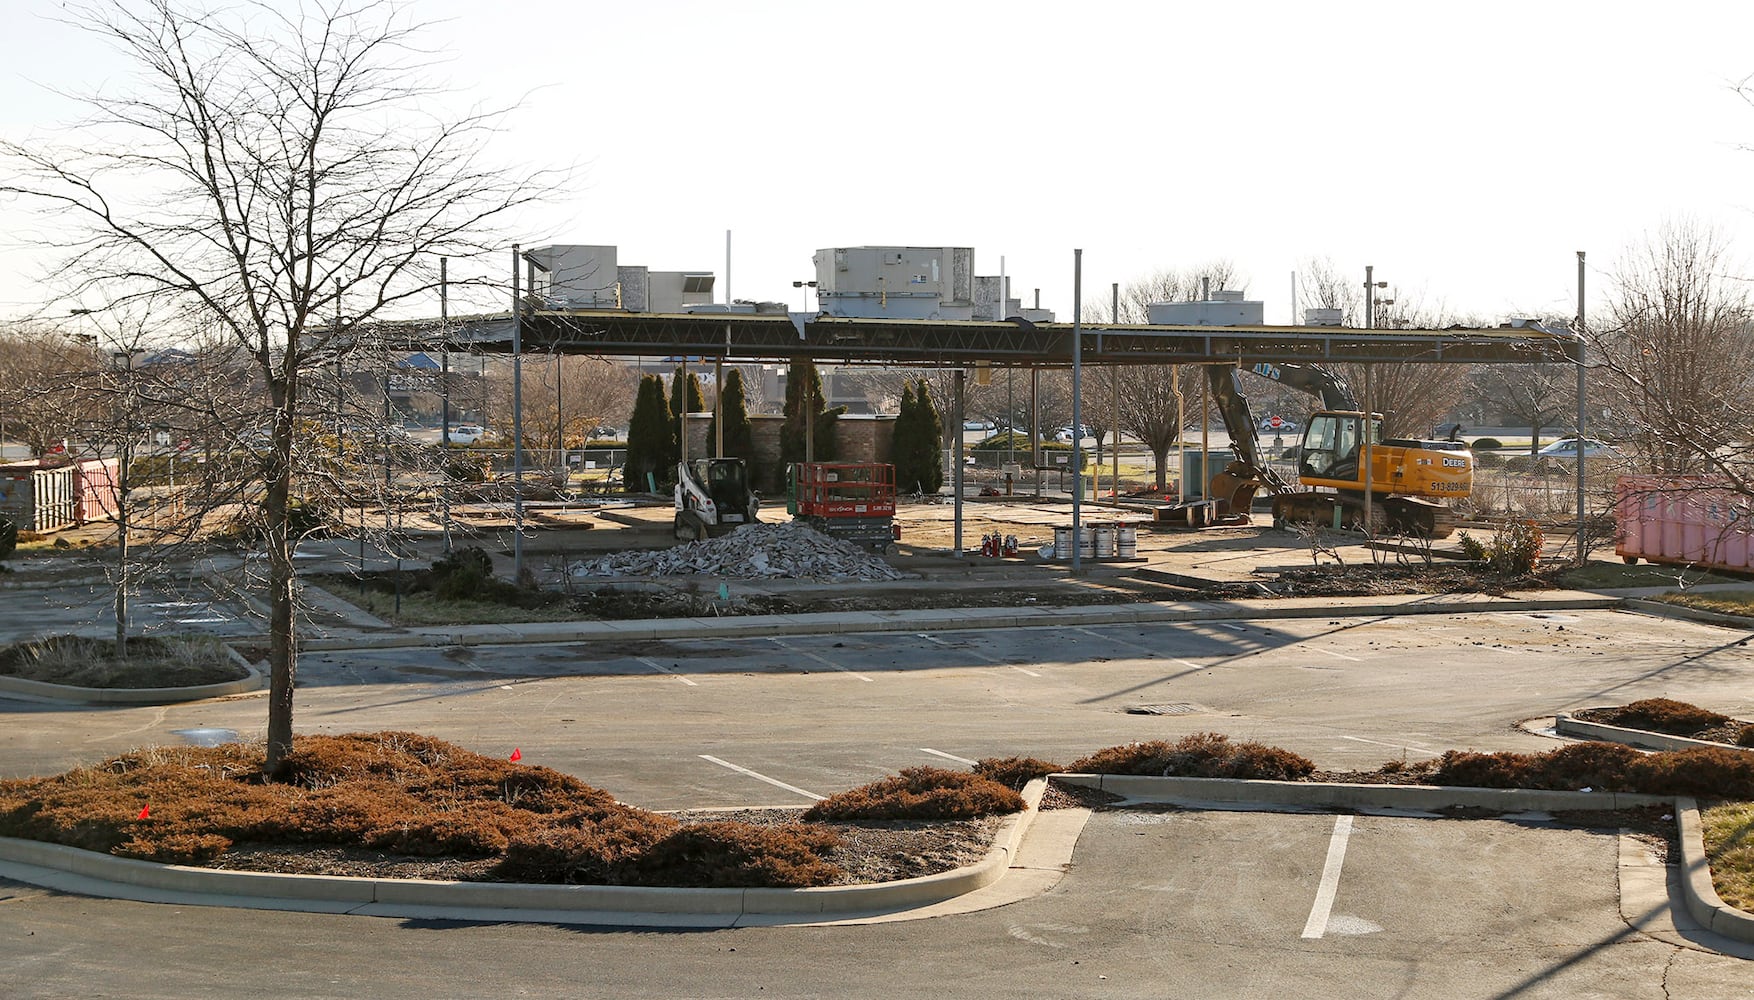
(1733, 732)
(869, 852)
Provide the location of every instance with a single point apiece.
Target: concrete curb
(51, 865)
(42, 691)
(1321, 795)
(1702, 899)
(833, 623)
(1565, 725)
(1664, 609)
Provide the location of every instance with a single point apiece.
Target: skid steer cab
(713, 497)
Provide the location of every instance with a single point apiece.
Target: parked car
(1064, 434)
(977, 425)
(466, 434)
(1285, 425)
(1566, 447)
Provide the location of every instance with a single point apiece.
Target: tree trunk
(1161, 454)
(282, 648)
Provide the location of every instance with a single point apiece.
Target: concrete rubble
(757, 551)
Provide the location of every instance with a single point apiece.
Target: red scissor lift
(854, 501)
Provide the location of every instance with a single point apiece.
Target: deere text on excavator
(1411, 481)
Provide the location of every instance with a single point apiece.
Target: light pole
(807, 285)
(1370, 287)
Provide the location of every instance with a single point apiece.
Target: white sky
(1466, 150)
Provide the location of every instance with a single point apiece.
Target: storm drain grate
(1172, 708)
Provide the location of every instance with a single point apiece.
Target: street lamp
(807, 284)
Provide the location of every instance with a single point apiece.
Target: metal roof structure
(928, 343)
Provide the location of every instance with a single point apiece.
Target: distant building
(579, 276)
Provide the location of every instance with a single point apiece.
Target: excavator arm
(1239, 420)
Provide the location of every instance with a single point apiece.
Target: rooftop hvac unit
(1321, 317)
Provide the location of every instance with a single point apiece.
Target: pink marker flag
(517, 754)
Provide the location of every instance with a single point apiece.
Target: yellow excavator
(1412, 482)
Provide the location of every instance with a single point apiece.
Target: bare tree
(566, 397)
(1677, 351)
(1149, 403)
(1538, 396)
(283, 177)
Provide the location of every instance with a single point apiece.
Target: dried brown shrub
(738, 854)
(1015, 772)
(1709, 772)
(588, 847)
(1745, 738)
(1664, 715)
(920, 793)
(1200, 755)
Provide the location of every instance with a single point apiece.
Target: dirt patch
(1378, 581)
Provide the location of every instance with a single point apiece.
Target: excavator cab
(1332, 442)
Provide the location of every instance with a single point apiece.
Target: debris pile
(753, 552)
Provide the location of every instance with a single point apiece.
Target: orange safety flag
(517, 754)
(145, 811)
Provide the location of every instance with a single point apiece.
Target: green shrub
(1015, 772)
(8, 538)
(1201, 755)
(1480, 444)
(920, 793)
(1519, 463)
(462, 574)
(1514, 550)
(465, 469)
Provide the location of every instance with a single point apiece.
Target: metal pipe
(517, 422)
(1077, 411)
(1581, 522)
(1364, 450)
(1114, 403)
(445, 399)
(956, 465)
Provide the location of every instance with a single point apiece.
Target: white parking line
(655, 665)
(971, 654)
(1148, 651)
(1395, 746)
(1233, 628)
(1317, 925)
(1337, 656)
(762, 777)
(830, 664)
(1020, 670)
(948, 756)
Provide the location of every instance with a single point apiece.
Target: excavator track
(1389, 515)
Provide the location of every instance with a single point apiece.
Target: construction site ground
(1168, 563)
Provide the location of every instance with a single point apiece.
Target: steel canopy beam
(961, 343)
